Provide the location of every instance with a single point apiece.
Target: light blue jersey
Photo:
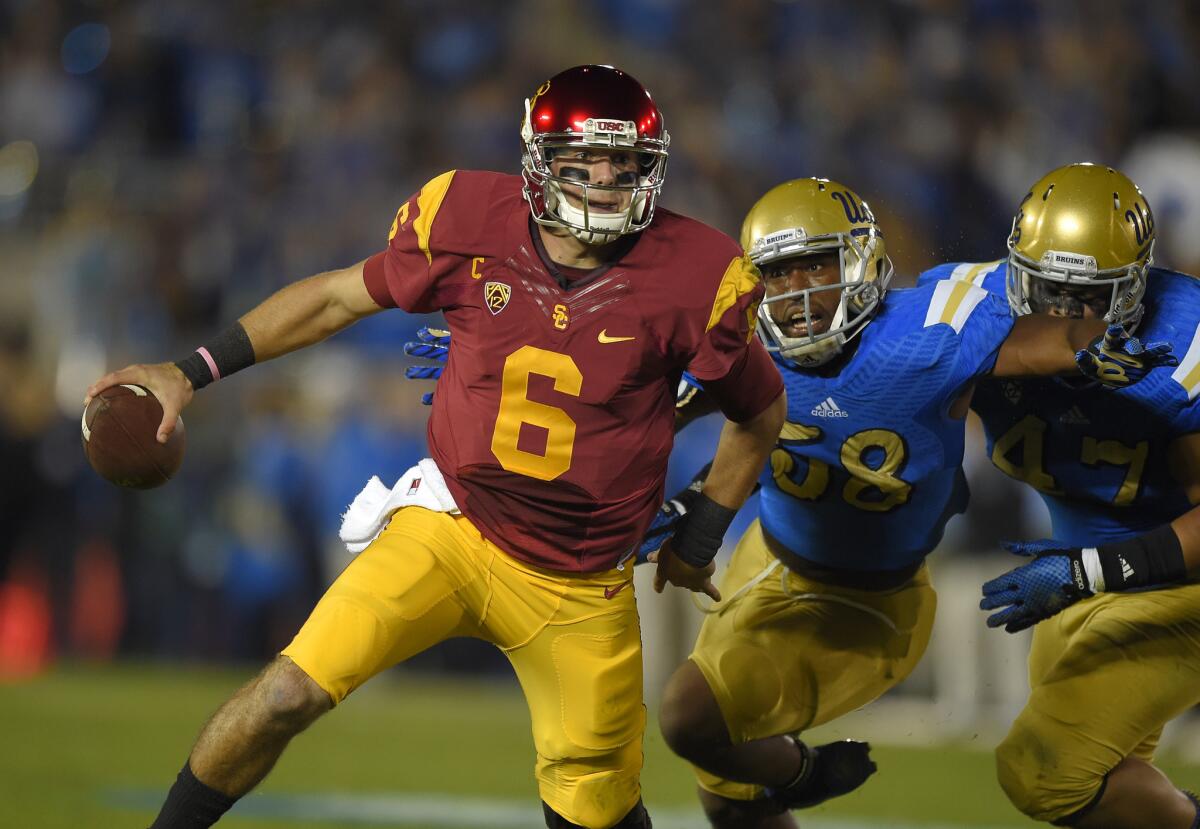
(1100, 458)
(868, 467)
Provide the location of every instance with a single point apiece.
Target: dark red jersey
(554, 416)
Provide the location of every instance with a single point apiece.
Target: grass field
(97, 748)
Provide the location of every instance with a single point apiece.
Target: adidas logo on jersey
(829, 409)
(1074, 417)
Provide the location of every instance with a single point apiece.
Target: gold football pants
(1105, 675)
(790, 653)
(577, 652)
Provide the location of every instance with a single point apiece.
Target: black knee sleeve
(637, 818)
(1080, 814)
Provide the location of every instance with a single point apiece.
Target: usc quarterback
(1119, 472)
(828, 601)
(576, 303)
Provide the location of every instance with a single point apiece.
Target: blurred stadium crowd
(164, 165)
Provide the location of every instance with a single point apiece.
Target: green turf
(74, 737)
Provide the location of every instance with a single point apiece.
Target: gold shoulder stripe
(741, 277)
(974, 272)
(1188, 372)
(428, 202)
(952, 302)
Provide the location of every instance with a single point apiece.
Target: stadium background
(165, 165)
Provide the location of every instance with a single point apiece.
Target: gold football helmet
(1081, 230)
(806, 216)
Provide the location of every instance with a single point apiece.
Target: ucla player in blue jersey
(1120, 474)
(828, 602)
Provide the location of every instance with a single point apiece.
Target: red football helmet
(595, 107)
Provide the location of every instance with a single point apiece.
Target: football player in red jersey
(575, 305)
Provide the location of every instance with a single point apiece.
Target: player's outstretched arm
(308, 311)
(1042, 345)
(686, 560)
(296, 316)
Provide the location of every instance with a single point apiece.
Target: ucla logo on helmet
(857, 212)
(496, 294)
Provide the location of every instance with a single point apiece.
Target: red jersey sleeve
(732, 364)
(731, 322)
(751, 385)
(408, 273)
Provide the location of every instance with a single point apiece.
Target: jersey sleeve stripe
(953, 301)
(974, 272)
(428, 202)
(1187, 374)
(740, 279)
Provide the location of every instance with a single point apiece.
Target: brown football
(120, 425)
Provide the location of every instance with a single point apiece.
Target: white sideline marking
(434, 810)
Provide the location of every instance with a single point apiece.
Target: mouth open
(796, 324)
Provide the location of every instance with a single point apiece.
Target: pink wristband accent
(212, 365)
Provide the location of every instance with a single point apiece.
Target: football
(119, 438)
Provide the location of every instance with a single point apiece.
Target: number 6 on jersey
(516, 409)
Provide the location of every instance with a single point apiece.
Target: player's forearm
(741, 454)
(1041, 345)
(307, 312)
(1187, 528)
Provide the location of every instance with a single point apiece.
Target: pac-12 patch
(496, 294)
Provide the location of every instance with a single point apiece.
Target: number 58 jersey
(554, 416)
(868, 470)
(1100, 458)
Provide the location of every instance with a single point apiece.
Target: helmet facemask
(860, 292)
(547, 193)
(1047, 286)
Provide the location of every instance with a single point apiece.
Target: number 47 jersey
(554, 416)
(868, 468)
(1101, 458)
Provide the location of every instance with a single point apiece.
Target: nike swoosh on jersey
(604, 338)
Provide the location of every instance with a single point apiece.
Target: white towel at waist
(368, 513)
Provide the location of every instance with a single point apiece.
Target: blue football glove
(434, 345)
(1026, 595)
(1118, 359)
(667, 519)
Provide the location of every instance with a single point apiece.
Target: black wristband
(226, 353)
(1149, 560)
(701, 531)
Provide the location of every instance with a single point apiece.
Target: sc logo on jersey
(561, 317)
(496, 294)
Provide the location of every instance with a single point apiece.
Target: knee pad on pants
(1041, 783)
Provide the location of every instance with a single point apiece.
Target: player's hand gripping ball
(120, 425)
